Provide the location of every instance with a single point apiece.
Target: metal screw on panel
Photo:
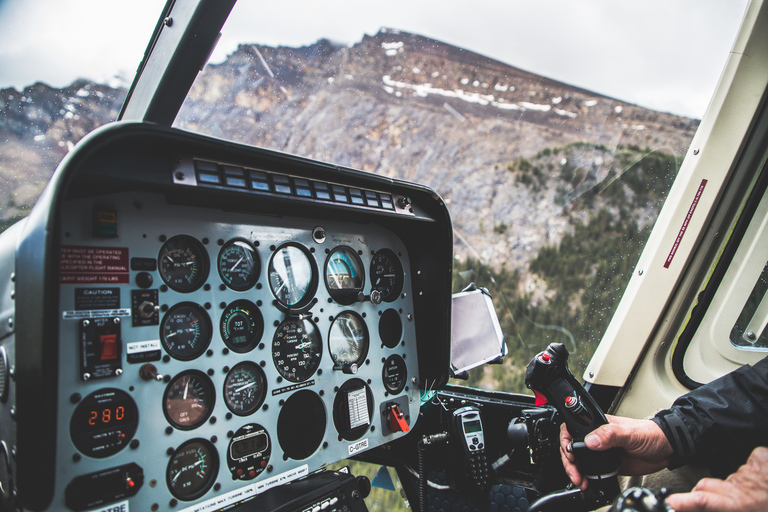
(116, 321)
(86, 323)
(409, 316)
(591, 374)
(640, 272)
(86, 376)
(751, 336)
(696, 151)
(180, 176)
(168, 21)
(10, 322)
(118, 371)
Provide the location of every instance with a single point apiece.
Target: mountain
(515, 155)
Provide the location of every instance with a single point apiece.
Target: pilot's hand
(643, 447)
(746, 490)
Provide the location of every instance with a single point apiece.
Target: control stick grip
(552, 382)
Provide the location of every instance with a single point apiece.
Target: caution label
(93, 265)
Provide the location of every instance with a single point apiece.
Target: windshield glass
(552, 130)
(552, 138)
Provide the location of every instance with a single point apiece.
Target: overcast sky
(662, 54)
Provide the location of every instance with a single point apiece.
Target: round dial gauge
(348, 341)
(394, 374)
(249, 452)
(192, 469)
(239, 264)
(344, 275)
(183, 263)
(245, 388)
(185, 331)
(188, 400)
(387, 275)
(297, 348)
(292, 276)
(241, 326)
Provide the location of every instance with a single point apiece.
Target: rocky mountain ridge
(397, 104)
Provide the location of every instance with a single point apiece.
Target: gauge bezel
(397, 287)
(253, 276)
(366, 343)
(210, 397)
(311, 285)
(205, 323)
(345, 296)
(402, 367)
(255, 319)
(84, 438)
(262, 388)
(316, 357)
(197, 249)
(210, 476)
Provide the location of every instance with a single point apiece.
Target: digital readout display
(108, 414)
(248, 446)
(470, 427)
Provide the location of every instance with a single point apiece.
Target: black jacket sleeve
(720, 423)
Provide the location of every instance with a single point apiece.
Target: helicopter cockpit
(193, 324)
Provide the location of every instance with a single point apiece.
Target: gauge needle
(245, 387)
(236, 264)
(186, 389)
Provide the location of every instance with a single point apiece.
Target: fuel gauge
(192, 469)
(188, 400)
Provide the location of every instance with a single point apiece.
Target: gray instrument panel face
(212, 432)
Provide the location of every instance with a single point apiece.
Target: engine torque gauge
(387, 275)
(239, 264)
(297, 348)
(344, 275)
(185, 331)
(245, 388)
(293, 276)
(188, 400)
(183, 263)
(348, 341)
(241, 326)
(192, 469)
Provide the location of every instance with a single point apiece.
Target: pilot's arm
(719, 425)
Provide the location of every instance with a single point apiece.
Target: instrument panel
(242, 371)
(207, 322)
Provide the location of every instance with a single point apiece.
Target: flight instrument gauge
(344, 275)
(394, 374)
(249, 452)
(387, 275)
(185, 331)
(241, 326)
(183, 263)
(348, 341)
(239, 264)
(189, 399)
(245, 388)
(293, 276)
(297, 348)
(104, 423)
(192, 469)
